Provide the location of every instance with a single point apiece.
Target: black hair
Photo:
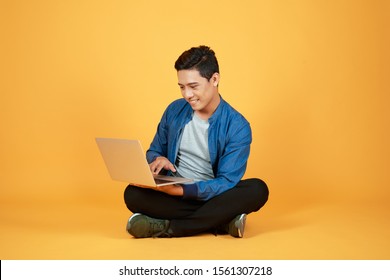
(200, 58)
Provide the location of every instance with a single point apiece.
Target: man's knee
(132, 196)
(259, 190)
(261, 186)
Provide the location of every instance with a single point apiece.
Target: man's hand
(160, 163)
(156, 166)
(176, 190)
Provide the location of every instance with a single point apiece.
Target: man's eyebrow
(189, 84)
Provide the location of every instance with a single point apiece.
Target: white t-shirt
(193, 159)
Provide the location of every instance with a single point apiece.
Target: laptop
(126, 162)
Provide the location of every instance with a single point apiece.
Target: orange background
(310, 76)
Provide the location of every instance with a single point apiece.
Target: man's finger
(172, 167)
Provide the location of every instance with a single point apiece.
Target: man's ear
(215, 79)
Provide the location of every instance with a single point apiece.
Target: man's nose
(187, 92)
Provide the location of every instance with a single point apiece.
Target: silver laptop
(126, 162)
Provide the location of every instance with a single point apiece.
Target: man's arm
(175, 190)
(231, 166)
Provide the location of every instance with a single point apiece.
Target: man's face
(200, 93)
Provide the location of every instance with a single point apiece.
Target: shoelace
(158, 228)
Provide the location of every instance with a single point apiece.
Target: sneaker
(141, 226)
(236, 226)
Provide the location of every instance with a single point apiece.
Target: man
(201, 137)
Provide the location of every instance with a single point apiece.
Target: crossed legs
(190, 217)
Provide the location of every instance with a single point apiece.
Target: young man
(201, 137)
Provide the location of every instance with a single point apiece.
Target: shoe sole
(240, 224)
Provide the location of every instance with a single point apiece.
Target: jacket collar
(217, 113)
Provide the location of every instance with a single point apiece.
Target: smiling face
(200, 93)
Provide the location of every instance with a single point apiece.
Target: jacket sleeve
(231, 166)
(159, 145)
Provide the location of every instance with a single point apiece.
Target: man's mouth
(193, 101)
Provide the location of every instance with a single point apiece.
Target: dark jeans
(190, 217)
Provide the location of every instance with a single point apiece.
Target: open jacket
(229, 139)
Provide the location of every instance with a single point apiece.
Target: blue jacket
(229, 139)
